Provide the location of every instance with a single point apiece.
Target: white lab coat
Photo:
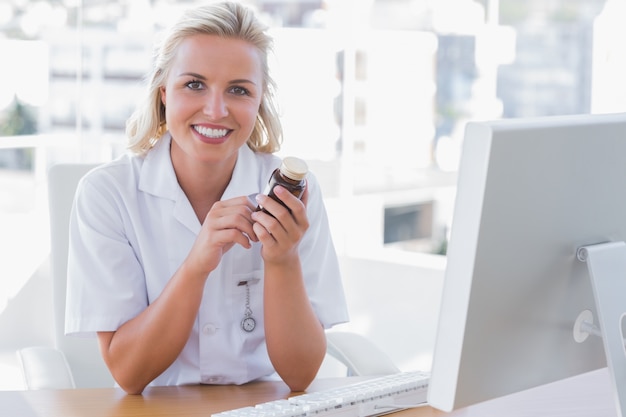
(131, 228)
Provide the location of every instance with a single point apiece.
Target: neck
(203, 183)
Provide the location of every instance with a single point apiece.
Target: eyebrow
(192, 74)
(201, 77)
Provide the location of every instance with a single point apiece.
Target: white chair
(76, 362)
(45, 368)
(73, 361)
(359, 354)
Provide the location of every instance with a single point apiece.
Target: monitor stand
(606, 263)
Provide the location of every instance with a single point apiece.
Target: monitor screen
(530, 193)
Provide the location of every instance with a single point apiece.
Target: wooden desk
(588, 395)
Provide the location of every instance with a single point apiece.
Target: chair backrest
(360, 355)
(83, 355)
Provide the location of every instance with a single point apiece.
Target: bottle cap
(294, 168)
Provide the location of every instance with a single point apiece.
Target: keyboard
(373, 397)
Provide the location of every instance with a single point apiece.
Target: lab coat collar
(157, 172)
(245, 175)
(158, 178)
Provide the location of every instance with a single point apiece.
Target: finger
(271, 227)
(264, 235)
(294, 220)
(232, 236)
(285, 204)
(233, 214)
(294, 204)
(271, 206)
(236, 201)
(292, 223)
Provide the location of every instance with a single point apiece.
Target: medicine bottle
(291, 175)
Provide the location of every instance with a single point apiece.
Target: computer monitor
(519, 301)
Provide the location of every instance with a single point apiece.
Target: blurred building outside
(374, 94)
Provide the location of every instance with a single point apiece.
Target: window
(378, 107)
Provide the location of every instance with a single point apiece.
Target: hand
(281, 233)
(228, 223)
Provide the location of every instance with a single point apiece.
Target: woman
(182, 280)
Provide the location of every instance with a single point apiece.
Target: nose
(215, 106)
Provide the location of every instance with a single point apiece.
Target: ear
(162, 90)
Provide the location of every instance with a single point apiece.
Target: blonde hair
(227, 19)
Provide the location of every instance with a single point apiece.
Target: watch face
(248, 324)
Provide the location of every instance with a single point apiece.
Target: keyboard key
(368, 398)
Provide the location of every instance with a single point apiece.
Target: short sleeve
(105, 280)
(320, 264)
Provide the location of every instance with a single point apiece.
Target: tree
(17, 120)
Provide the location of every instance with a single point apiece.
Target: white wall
(395, 303)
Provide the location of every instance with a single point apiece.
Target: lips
(210, 135)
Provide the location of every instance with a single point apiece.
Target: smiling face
(212, 96)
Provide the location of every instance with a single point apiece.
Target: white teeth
(211, 133)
